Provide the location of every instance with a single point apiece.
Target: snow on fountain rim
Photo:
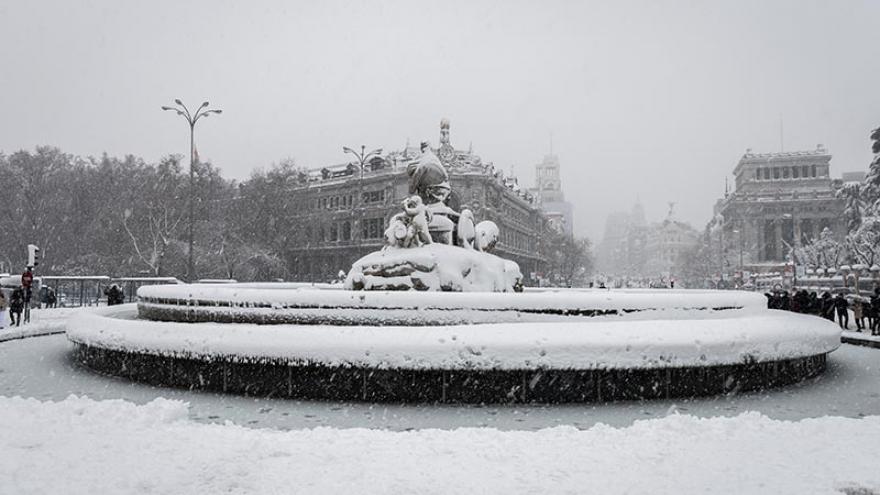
(597, 299)
(746, 336)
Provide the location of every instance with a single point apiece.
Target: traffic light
(33, 256)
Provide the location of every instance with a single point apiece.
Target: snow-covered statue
(410, 227)
(419, 252)
(428, 177)
(467, 230)
(486, 236)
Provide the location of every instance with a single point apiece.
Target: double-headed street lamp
(363, 156)
(191, 119)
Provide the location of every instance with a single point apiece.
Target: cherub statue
(466, 230)
(410, 227)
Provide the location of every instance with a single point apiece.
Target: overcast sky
(656, 100)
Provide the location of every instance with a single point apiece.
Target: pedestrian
(858, 313)
(16, 306)
(842, 308)
(51, 298)
(815, 306)
(827, 306)
(875, 308)
(3, 305)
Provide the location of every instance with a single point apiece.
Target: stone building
(548, 191)
(622, 250)
(635, 249)
(342, 211)
(666, 243)
(780, 201)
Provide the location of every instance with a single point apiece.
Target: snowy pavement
(84, 446)
(820, 436)
(40, 367)
(43, 322)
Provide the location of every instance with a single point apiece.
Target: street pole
(184, 112)
(362, 158)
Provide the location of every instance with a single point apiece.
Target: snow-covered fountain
(434, 316)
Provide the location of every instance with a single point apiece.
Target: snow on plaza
(439, 247)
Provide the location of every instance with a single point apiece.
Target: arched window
(346, 231)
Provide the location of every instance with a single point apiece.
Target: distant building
(780, 201)
(633, 248)
(622, 250)
(343, 211)
(667, 242)
(848, 177)
(548, 191)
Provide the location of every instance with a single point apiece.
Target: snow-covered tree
(825, 251)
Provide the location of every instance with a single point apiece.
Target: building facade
(342, 211)
(780, 202)
(667, 242)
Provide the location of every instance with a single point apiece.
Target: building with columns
(780, 201)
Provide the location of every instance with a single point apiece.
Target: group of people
(828, 306)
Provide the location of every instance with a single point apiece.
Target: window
(757, 174)
(805, 171)
(784, 172)
(371, 228)
(346, 230)
(766, 174)
(794, 172)
(775, 172)
(374, 196)
(334, 232)
(814, 170)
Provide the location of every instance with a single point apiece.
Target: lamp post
(363, 156)
(191, 119)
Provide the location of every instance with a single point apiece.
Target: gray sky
(650, 99)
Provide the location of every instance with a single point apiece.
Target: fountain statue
(430, 246)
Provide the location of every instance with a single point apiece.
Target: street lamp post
(362, 157)
(191, 119)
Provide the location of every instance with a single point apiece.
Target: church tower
(547, 180)
(548, 190)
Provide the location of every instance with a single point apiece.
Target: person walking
(827, 306)
(858, 313)
(875, 310)
(16, 306)
(3, 305)
(51, 298)
(842, 308)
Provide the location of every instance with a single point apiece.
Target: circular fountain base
(552, 347)
(286, 380)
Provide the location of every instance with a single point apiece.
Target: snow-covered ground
(43, 322)
(83, 446)
(821, 436)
